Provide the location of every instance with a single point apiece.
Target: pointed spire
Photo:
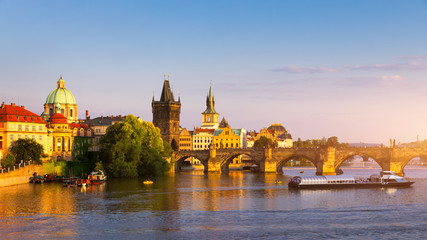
(167, 94)
(210, 101)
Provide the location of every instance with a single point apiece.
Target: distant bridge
(327, 160)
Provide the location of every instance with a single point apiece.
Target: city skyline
(355, 70)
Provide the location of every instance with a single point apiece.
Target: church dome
(60, 95)
(277, 127)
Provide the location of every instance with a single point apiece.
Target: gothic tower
(210, 116)
(166, 115)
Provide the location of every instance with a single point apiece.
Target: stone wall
(22, 175)
(19, 176)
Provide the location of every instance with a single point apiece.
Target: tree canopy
(27, 149)
(263, 142)
(134, 149)
(310, 143)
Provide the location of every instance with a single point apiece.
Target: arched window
(82, 132)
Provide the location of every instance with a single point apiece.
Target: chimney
(2, 105)
(12, 104)
(22, 106)
(87, 114)
(102, 117)
(111, 116)
(120, 116)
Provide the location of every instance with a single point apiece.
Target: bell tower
(210, 116)
(166, 114)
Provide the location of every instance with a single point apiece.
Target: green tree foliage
(27, 149)
(316, 143)
(263, 142)
(8, 161)
(133, 149)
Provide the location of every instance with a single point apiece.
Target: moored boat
(385, 179)
(148, 181)
(97, 177)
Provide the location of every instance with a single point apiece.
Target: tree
(27, 149)
(333, 141)
(131, 146)
(8, 161)
(263, 142)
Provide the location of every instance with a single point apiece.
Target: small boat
(385, 179)
(148, 181)
(97, 177)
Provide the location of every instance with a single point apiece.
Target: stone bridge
(326, 160)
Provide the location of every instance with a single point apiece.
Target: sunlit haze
(351, 69)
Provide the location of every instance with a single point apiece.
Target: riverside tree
(134, 149)
(27, 149)
(263, 142)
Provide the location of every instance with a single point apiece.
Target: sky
(351, 69)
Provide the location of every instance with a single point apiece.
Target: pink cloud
(397, 66)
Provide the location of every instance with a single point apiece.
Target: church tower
(166, 114)
(210, 116)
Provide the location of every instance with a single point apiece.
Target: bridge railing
(16, 167)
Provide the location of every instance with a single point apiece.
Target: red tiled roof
(78, 125)
(13, 113)
(199, 130)
(58, 118)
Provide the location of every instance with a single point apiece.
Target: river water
(239, 205)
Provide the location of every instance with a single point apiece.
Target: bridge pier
(327, 158)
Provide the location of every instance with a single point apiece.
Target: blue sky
(351, 69)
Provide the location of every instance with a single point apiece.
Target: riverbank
(19, 176)
(23, 174)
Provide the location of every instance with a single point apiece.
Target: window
(26, 136)
(40, 128)
(71, 112)
(19, 127)
(59, 144)
(27, 128)
(33, 128)
(33, 137)
(19, 136)
(40, 137)
(82, 132)
(11, 137)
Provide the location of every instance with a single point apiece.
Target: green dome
(61, 95)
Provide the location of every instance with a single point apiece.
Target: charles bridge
(327, 160)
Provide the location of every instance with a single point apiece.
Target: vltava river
(192, 205)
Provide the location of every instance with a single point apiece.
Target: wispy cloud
(309, 70)
(381, 81)
(415, 57)
(411, 66)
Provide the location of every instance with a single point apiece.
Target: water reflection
(186, 203)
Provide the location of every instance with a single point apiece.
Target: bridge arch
(181, 156)
(341, 160)
(281, 163)
(225, 163)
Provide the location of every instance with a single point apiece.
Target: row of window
(27, 128)
(201, 147)
(201, 141)
(218, 145)
(26, 136)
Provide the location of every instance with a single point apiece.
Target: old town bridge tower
(166, 115)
